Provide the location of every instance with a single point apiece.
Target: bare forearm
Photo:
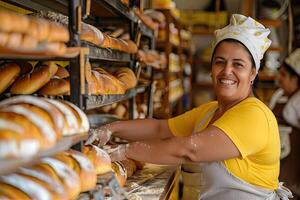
(136, 130)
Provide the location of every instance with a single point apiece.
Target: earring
(251, 82)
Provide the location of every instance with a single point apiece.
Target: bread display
(55, 188)
(15, 186)
(8, 19)
(120, 172)
(8, 74)
(56, 86)
(62, 173)
(62, 72)
(98, 157)
(126, 76)
(82, 166)
(91, 34)
(30, 83)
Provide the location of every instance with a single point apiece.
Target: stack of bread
(45, 78)
(102, 82)
(29, 124)
(146, 19)
(60, 177)
(21, 33)
(152, 58)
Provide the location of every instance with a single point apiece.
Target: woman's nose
(227, 68)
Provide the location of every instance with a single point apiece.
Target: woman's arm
(143, 129)
(212, 144)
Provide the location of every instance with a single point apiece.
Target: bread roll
(28, 43)
(39, 29)
(57, 48)
(130, 166)
(120, 172)
(98, 157)
(62, 173)
(93, 84)
(13, 22)
(82, 166)
(91, 34)
(54, 113)
(30, 83)
(126, 76)
(18, 136)
(26, 67)
(23, 188)
(56, 86)
(9, 192)
(8, 74)
(3, 38)
(55, 188)
(47, 133)
(14, 40)
(62, 72)
(131, 47)
(107, 41)
(58, 33)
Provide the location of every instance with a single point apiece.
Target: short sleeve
(247, 126)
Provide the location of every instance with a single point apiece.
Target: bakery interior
(80, 64)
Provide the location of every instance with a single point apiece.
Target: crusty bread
(130, 166)
(91, 34)
(58, 33)
(55, 188)
(126, 76)
(8, 74)
(98, 157)
(62, 173)
(131, 47)
(39, 29)
(62, 72)
(8, 22)
(82, 166)
(30, 83)
(120, 172)
(56, 86)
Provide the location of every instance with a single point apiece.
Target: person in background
(285, 103)
(229, 148)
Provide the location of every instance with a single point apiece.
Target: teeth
(226, 81)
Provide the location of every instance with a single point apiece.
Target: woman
(285, 104)
(235, 138)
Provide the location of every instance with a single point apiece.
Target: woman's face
(232, 72)
(286, 81)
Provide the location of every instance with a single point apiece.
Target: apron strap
(283, 192)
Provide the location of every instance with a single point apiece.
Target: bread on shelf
(8, 74)
(62, 72)
(126, 76)
(120, 172)
(91, 34)
(98, 157)
(56, 86)
(30, 83)
(82, 166)
(8, 20)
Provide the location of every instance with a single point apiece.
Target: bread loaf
(130, 166)
(54, 113)
(56, 48)
(3, 38)
(18, 136)
(8, 22)
(55, 188)
(91, 34)
(23, 188)
(39, 29)
(126, 76)
(47, 134)
(8, 74)
(82, 166)
(62, 72)
(58, 33)
(30, 83)
(131, 47)
(56, 86)
(98, 157)
(62, 173)
(28, 43)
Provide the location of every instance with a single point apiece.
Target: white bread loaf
(56, 86)
(8, 74)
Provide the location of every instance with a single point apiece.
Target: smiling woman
(230, 146)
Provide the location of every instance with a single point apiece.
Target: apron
(212, 181)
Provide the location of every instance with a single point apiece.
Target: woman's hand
(120, 153)
(99, 136)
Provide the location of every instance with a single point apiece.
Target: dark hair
(291, 71)
(235, 41)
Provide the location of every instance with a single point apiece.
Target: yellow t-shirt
(253, 129)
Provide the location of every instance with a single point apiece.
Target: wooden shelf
(275, 49)
(270, 22)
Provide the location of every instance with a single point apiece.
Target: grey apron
(212, 181)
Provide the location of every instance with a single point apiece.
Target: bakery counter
(154, 182)
(96, 53)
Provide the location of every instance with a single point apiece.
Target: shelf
(96, 53)
(96, 101)
(8, 54)
(112, 9)
(145, 30)
(8, 166)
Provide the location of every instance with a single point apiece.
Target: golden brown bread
(126, 76)
(30, 83)
(3, 38)
(8, 22)
(62, 72)
(56, 86)
(120, 172)
(58, 33)
(39, 29)
(57, 48)
(82, 166)
(98, 157)
(130, 166)
(8, 74)
(10, 192)
(91, 34)
(62, 173)
(28, 42)
(131, 47)
(55, 188)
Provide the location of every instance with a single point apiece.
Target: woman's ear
(253, 74)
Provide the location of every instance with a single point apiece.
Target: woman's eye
(219, 62)
(238, 65)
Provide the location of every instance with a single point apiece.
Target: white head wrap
(249, 32)
(293, 60)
